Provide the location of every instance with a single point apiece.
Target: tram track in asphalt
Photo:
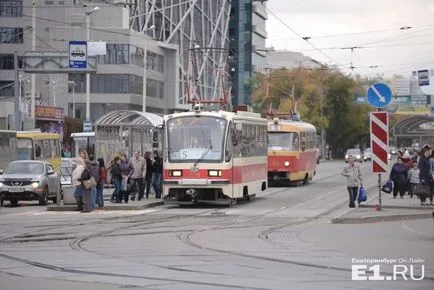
(36, 235)
(264, 236)
(76, 244)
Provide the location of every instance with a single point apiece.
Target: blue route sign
(379, 95)
(78, 54)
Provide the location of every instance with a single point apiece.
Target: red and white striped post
(379, 124)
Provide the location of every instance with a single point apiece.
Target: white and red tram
(214, 157)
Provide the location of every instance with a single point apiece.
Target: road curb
(374, 219)
(399, 207)
(108, 207)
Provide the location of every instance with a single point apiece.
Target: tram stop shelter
(416, 129)
(126, 131)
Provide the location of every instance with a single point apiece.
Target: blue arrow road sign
(379, 95)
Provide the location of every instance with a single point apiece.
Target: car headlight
(35, 184)
(1, 184)
(286, 163)
(175, 173)
(357, 156)
(346, 156)
(215, 173)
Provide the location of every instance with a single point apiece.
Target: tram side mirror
(155, 136)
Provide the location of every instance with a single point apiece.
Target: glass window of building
(6, 61)
(6, 88)
(11, 8)
(11, 35)
(136, 56)
(108, 84)
(155, 62)
(154, 88)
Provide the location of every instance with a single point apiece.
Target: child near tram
(413, 176)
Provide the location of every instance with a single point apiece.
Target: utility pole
(145, 61)
(33, 76)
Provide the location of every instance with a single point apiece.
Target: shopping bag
(388, 187)
(422, 190)
(124, 184)
(88, 184)
(362, 195)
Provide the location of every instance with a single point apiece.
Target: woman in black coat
(425, 175)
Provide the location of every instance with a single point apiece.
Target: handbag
(88, 184)
(422, 190)
(362, 195)
(388, 187)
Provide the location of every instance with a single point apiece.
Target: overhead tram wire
(301, 36)
(413, 30)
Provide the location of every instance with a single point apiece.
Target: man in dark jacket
(157, 174)
(94, 171)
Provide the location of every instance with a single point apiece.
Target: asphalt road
(282, 240)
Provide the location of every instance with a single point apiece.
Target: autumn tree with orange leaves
(323, 97)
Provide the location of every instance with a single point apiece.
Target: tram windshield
(283, 141)
(196, 138)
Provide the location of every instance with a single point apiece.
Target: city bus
(35, 145)
(214, 157)
(8, 148)
(292, 151)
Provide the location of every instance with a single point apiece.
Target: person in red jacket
(100, 185)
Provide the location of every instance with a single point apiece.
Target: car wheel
(1, 201)
(44, 198)
(14, 202)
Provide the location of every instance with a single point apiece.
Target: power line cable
(357, 33)
(301, 36)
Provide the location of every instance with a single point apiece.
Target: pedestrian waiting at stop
(413, 176)
(101, 183)
(149, 172)
(399, 176)
(157, 177)
(425, 173)
(94, 170)
(138, 168)
(78, 187)
(116, 175)
(353, 173)
(85, 176)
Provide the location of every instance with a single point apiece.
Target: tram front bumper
(190, 191)
(278, 175)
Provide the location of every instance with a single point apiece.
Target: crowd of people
(129, 177)
(407, 173)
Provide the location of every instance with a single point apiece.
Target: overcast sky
(371, 24)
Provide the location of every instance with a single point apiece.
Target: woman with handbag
(353, 174)
(399, 176)
(86, 182)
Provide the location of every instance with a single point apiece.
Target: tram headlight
(175, 173)
(286, 163)
(214, 173)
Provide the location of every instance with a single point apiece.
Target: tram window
(229, 146)
(38, 150)
(53, 147)
(46, 148)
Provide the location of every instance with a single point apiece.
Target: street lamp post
(145, 54)
(73, 84)
(87, 14)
